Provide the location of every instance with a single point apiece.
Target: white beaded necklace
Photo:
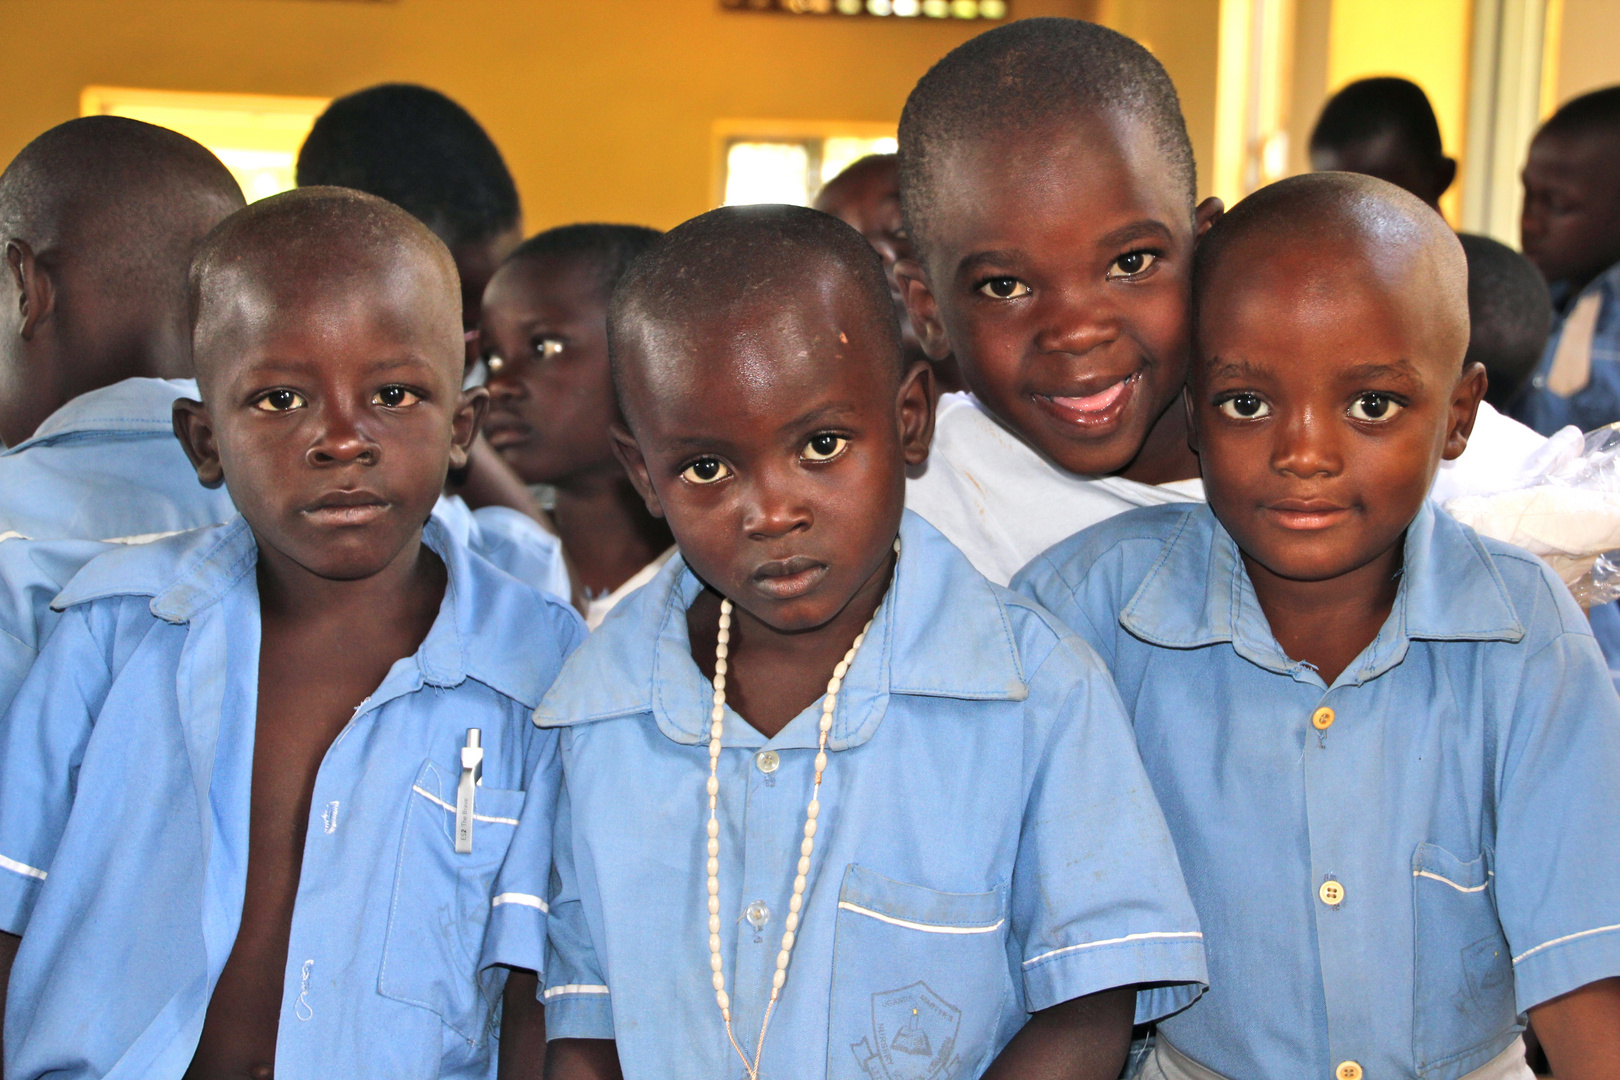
(716, 725)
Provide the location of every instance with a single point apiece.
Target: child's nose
(774, 509)
(1076, 320)
(1305, 447)
(342, 442)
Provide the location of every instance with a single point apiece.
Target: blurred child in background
(1509, 314)
(544, 340)
(1571, 231)
(1384, 127)
(866, 197)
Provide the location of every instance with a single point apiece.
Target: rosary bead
(777, 980)
(714, 846)
(809, 828)
(787, 943)
(714, 905)
(714, 827)
(714, 924)
(714, 867)
(794, 903)
(806, 846)
(714, 886)
(719, 699)
(714, 943)
(725, 1002)
(804, 865)
(714, 786)
(821, 762)
(813, 811)
(782, 960)
(798, 884)
(714, 962)
(720, 666)
(842, 668)
(792, 921)
(719, 981)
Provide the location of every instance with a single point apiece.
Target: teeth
(1094, 402)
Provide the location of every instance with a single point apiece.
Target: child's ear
(1465, 399)
(628, 452)
(1208, 213)
(915, 410)
(36, 292)
(195, 431)
(922, 308)
(467, 423)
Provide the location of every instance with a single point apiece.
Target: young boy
(1384, 127)
(835, 805)
(866, 197)
(1385, 745)
(544, 340)
(254, 793)
(1571, 231)
(100, 217)
(1049, 189)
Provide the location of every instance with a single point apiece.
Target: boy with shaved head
(836, 806)
(99, 218)
(1385, 745)
(254, 792)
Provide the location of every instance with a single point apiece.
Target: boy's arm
(583, 1059)
(1581, 1031)
(523, 1028)
(1083, 1039)
(8, 953)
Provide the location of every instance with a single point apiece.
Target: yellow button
(1347, 1070)
(1332, 893)
(1321, 720)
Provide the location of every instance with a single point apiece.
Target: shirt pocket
(1463, 1005)
(441, 901)
(920, 980)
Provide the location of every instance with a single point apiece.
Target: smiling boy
(235, 803)
(834, 804)
(1384, 745)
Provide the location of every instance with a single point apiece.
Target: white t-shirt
(597, 607)
(1003, 503)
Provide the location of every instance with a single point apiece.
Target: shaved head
(99, 218)
(315, 242)
(1389, 231)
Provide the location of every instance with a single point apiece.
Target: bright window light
(840, 152)
(257, 136)
(767, 172)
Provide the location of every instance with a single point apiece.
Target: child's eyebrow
(1146, 229)
(1401, 369)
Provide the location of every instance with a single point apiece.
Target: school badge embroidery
(913, 1036)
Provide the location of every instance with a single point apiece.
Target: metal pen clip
(472, 774)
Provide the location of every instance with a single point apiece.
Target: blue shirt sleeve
(516, 934)
(578, 1005)
(42, 742)
(1098, 899)
(1558, 822)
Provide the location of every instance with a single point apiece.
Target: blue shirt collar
(187, 574)
(135, 406)
(1199, 594)
(1608, 282)
(942, 631)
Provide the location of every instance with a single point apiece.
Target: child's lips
(786, 579)
(501, 435)
(1091, 411)
(1306, 514)
(346, 509)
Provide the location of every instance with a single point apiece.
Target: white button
(757, 914)
(1347, 1070)
(767, 760)
(1332, 894)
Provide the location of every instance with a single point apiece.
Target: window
(761, 162)
(257, 136)
(904, 9)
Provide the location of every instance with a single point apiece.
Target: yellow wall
(1588, 47)
(1426, 41)
(603, 108)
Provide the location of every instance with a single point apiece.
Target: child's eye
(1003, 288)
(1244, 407)
(1374, 406)
(705, 471)
(825, 446)
(394, 397)
(280, 401)
(1131, 264)
(547, 348)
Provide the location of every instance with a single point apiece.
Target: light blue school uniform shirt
(987, 844)
(1394, 882)
(125, 774)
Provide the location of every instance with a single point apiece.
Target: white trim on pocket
(430, 797)
(573, 988)
(522, 899)
(1481, 887)
(1566, 937)
(21, 868)
(930, 928)
(1150, 936)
